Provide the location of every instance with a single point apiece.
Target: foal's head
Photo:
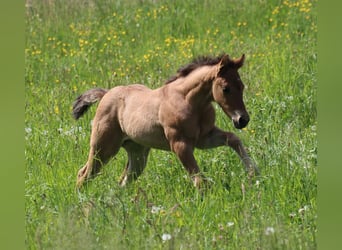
(228, 88)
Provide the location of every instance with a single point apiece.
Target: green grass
(72, 46)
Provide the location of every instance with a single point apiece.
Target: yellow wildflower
(56, 110)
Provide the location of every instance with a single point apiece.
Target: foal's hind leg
(105, 142)
(217, 138)
(137, 159)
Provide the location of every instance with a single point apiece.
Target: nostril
(243, 121)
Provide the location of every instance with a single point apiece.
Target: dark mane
(196, 63)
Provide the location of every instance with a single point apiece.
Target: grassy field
(72, 46)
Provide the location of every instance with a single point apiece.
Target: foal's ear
(231, 63)
(239, 62)
(221, 66)
(224, 61)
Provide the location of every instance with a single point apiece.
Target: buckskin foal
(178, 116)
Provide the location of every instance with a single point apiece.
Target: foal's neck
(197, 86)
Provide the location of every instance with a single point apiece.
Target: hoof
(200, 182)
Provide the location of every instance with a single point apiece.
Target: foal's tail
(84, 101)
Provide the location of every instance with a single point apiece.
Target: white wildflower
(292, 215)
(303, 209)
(166, 237)
(230, 224)
(269, 230)
(156, 209)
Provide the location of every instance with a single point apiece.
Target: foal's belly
(140, 122)
(145, 132)
(154, 138)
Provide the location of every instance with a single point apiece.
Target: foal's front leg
(184, 150)
(216, 137)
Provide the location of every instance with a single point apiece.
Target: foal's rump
(115, 98)
(132, 110)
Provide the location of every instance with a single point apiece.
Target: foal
(178, 116)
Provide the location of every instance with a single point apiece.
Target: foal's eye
(225, 89)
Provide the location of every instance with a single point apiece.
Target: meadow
(72, 46)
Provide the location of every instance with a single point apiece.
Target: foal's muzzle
(241, 121)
